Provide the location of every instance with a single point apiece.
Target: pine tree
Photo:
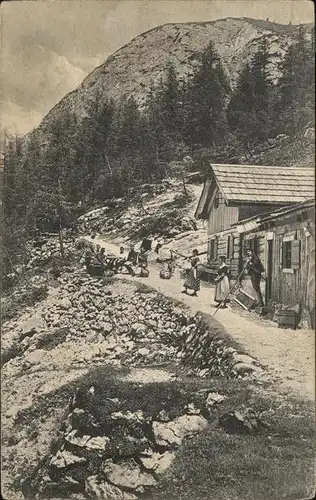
(205, 102)
(129, 121)
(297, 85)
(248, 111)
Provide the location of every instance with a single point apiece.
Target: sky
(48, 47)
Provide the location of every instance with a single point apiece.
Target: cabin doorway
(269, 271)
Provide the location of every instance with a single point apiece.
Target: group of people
(136, 264)
(253, 266)
(97, 261)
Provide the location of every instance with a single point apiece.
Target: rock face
(137, 68)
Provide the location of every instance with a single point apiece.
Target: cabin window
(216, 201)
(213, 249)
(291, 254)
(230, 246)
(287, 254)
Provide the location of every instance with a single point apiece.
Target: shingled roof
(260, 184)
(253, 184)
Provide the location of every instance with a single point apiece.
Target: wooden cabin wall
(222, 218)
(251, 209)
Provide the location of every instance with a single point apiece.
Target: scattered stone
(191, 409)
(163, 416)
(65, 458)
(107, 328)
(138, 329)
(127, 475)
(241, 422)
(35, 322)
(137, 416)
(97, 443)
(144, 351)
(243, 358)
(243, 369)
(65, 303)
(214, 398)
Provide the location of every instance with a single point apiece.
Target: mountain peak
(137, 68)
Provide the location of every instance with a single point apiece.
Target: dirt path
(288, 354)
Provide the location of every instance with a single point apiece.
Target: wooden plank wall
(221, 218)
(251, 209)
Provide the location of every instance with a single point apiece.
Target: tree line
(119, 146)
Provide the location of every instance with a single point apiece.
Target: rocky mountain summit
(137, 68)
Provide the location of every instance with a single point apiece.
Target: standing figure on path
(143, 263)
(192, 281)
(222, 283)
(255, 269)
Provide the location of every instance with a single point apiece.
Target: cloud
(16, 120)
(30, 95)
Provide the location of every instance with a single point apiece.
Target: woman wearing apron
(222, 283)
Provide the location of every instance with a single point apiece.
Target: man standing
(255, 269)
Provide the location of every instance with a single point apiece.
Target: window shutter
(295, 256)
(228, 247)
(215, 248)
(282, 254)
(232, 242)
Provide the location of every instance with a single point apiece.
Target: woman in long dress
(222, 283)
(193, 279)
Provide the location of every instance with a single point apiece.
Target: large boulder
(127, 475)
(158, 462)
(172, 433)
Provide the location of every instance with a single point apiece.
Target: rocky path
(288, 354)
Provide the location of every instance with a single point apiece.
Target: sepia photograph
(157, 182)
